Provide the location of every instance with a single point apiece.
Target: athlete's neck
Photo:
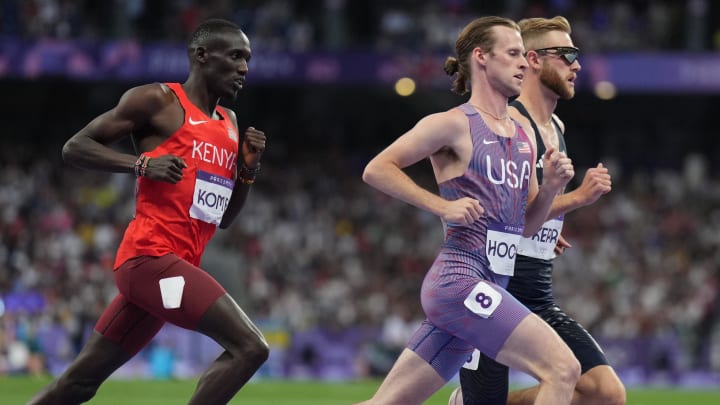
(199, 95)
(494, 108)
(540, 106)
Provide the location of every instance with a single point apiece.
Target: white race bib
(542, 244)
(211, 197)
(501, 247)
(483, 299)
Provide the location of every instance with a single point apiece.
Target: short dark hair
(209, 28)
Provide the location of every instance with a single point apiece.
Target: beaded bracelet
(141, 165)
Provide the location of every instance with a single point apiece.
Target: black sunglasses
(569, 53)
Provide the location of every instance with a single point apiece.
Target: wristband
(141, 165)
(247, 175)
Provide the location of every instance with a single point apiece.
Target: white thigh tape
(171, 290)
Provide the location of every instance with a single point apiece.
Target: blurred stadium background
(327, 267)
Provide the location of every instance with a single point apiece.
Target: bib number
(483, 299)
(211, 197)
(542, 244)
(501, 247)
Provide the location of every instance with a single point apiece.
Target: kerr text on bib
(542, 244)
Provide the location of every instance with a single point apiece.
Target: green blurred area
(115, 392)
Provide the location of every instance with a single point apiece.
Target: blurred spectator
(619, 25)
(644, 264)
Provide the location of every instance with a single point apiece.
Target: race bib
(542, 244)
(501, 247)
(483, 299)
(211, 197)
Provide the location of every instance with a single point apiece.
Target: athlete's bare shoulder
(450, 131)
(147, 98)
(448, 125)
(153, 109)
(457, 117)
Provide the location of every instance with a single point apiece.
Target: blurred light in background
(605, 90)
(405, 86)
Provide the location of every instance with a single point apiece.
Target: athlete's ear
(532, 58)
(479, 55)
(200, 54)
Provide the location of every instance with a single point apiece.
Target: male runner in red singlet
(193, 175)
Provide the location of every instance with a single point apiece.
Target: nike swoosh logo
(486, 142)
(193, 122)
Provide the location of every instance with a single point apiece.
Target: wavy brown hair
(478, 33)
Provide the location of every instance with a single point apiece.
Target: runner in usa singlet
(463, 291)
(210, 149)
(498, 176)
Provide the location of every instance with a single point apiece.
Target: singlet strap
(561, 135)
(188, 105)
(477, 123)
(538, 141)
(468, 109)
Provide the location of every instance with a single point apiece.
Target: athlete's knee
(226, 322)
(259, 350)
(611, 394)
(601, 386)
(565, 370)
(254, 350)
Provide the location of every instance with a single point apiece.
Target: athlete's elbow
(372, 173)
(367, 174)
(69, 151)
(225, 222)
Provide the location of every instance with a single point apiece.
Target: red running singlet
(181, 218)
